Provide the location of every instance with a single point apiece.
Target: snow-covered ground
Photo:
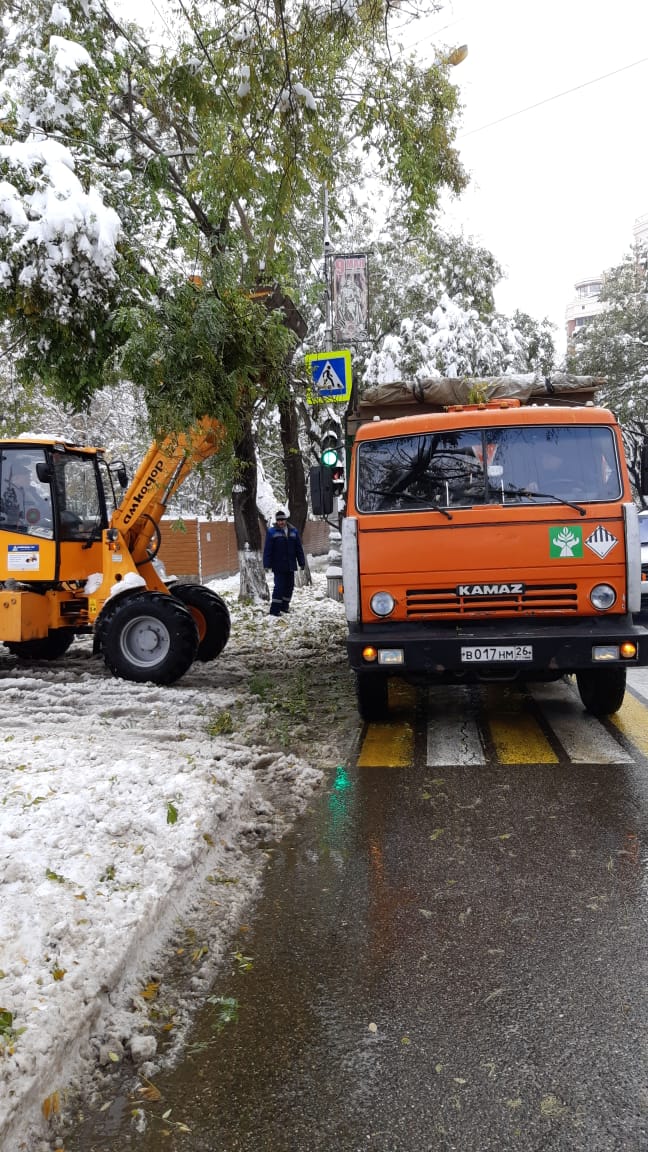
(134, 818)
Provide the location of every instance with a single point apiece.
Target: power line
(548, 99)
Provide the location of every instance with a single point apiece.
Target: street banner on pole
(350, 298)
(330, 377)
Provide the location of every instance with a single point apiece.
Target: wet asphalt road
(451, 959)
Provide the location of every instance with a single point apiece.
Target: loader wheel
(50, 647)
(149, 636)
(602, 689)
(211, 617)
(371, 690)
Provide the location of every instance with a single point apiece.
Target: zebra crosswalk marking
(583, 737)
(631, 721)
(387, 746)
(457, 714)
(453, 736)
(519, 740)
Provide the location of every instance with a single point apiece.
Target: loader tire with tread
(149, 636)
(50, 647)
(211, 617)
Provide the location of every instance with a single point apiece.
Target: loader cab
(52, 497)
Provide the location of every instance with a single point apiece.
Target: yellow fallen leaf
(437, 832)
(150, 1092)
(151, 990)
(51, 1105)
(58, 973)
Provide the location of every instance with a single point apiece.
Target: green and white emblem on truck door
(565, 541)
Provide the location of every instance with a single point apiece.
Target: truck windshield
(530, 465)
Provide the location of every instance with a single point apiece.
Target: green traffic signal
(330, 457)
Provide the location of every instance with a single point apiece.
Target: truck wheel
(211, 617)
(371, 690)
(149, 636)
(602, 689)
(50, 647)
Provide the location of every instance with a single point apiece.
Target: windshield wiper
(511, 490)
(410, 496)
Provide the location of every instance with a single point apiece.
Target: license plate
(498, 653)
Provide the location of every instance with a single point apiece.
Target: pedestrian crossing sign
(330, 377)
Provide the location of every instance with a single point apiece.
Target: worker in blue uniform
(282, 554)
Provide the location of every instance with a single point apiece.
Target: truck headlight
(382, 603)
(602, 597)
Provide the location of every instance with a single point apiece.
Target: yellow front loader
(77, 546)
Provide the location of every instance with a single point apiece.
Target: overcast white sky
(555, 190)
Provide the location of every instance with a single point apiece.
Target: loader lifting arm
(164, 468)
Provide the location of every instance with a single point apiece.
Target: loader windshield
(513, 465)
(78, 496)
(25, 500)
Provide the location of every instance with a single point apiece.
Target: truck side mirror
(321, 490)
(644, 469)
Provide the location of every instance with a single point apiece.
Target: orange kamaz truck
(492, 540)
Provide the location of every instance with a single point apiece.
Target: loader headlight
(382, 603)
(602, 597)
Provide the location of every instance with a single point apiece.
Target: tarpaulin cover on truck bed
(470, 389)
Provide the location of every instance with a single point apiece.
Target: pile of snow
(130, 813)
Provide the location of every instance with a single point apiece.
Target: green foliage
(614, 344)
(539, 353)
(217, 146)
(8, 1034)
(221, 724)
(195, 352)
(227, 1010)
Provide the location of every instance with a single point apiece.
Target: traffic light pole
(334, 568)
(328, 252)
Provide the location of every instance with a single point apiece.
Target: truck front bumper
(506, 649)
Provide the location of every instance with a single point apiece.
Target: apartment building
(586, 303)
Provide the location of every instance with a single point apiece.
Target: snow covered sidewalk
(133, 815)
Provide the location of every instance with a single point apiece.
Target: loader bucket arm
(164, 468)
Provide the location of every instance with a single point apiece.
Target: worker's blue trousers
(284, 583)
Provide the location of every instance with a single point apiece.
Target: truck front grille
(534, 601)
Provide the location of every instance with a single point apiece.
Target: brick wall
(206, 550)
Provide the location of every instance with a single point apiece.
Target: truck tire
(371, 690)
(149, 636)
(602, 689)
(211, 617)
(50, 647)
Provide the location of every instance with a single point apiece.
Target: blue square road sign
(330, 374)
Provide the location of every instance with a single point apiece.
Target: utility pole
(334, 568)
(328, 252)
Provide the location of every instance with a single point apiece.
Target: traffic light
(338, 480)
(331, 443)
(321, 487)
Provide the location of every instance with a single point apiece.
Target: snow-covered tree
(126, 168)
(434, 313)
(614, 344)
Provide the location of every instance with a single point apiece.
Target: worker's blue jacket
(283, 550)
